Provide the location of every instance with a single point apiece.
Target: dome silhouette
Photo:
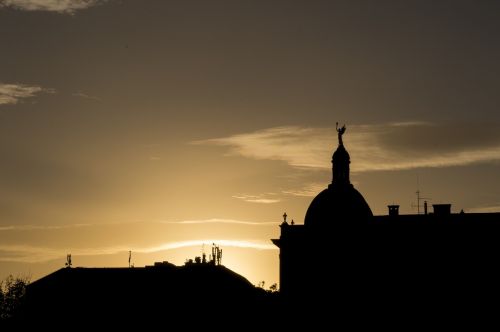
(337, 204)
(340, 201)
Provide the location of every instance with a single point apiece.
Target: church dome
(340, 201)
(337, 204)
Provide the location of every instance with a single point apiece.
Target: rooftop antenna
(216, 258)
(129, 257)
(203, 255)
(219, 257)
(420, 198)
(68, 261)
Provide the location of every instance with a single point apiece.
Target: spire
(340, 161)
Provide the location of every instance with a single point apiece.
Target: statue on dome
(340, 132)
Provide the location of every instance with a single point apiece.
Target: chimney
(442, 209)
(425, 207)
(393, 210)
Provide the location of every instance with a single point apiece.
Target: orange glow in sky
(160, 126)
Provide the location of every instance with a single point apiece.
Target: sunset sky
(158, 126)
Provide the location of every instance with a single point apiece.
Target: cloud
(12, 93)
(60, 6)
(86, 96)
(40, 227)
(34, 254)
(485, 209)
(296, 145)
(384, 147)
(28, 254)
(257, 199)
(252, 244)
(29, 228)
(310, 190)
(52, 242)
(222, 221)
(262, 200)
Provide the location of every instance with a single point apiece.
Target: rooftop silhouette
(389, 266)
(143, 294)
(342, 260)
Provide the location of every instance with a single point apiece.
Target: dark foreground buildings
(342, 266)
(165, 296)
(416, 268)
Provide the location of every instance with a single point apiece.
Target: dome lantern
(340, 161)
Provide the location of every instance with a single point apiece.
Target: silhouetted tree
(273, 288)
(12, 291)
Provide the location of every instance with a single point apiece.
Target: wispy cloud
(86, 96)
(222, 221)
(257, 199)
(252, 244)
(39, 227)
(410, 124)
(28, 254)
(301, 147)
(308, 191)
(13, 93)
(34, 254)
(60, 6)
(395, 146)
(29, 228)
(485, 208)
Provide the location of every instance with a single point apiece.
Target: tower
(332, 219)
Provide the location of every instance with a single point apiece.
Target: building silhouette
(342, 265)
(201, 293)
(414, 266)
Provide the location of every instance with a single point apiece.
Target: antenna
(216, 257)
(129, 257)
(203, 255)
(419, 198)
(68, 261)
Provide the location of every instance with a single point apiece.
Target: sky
(161, 126)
